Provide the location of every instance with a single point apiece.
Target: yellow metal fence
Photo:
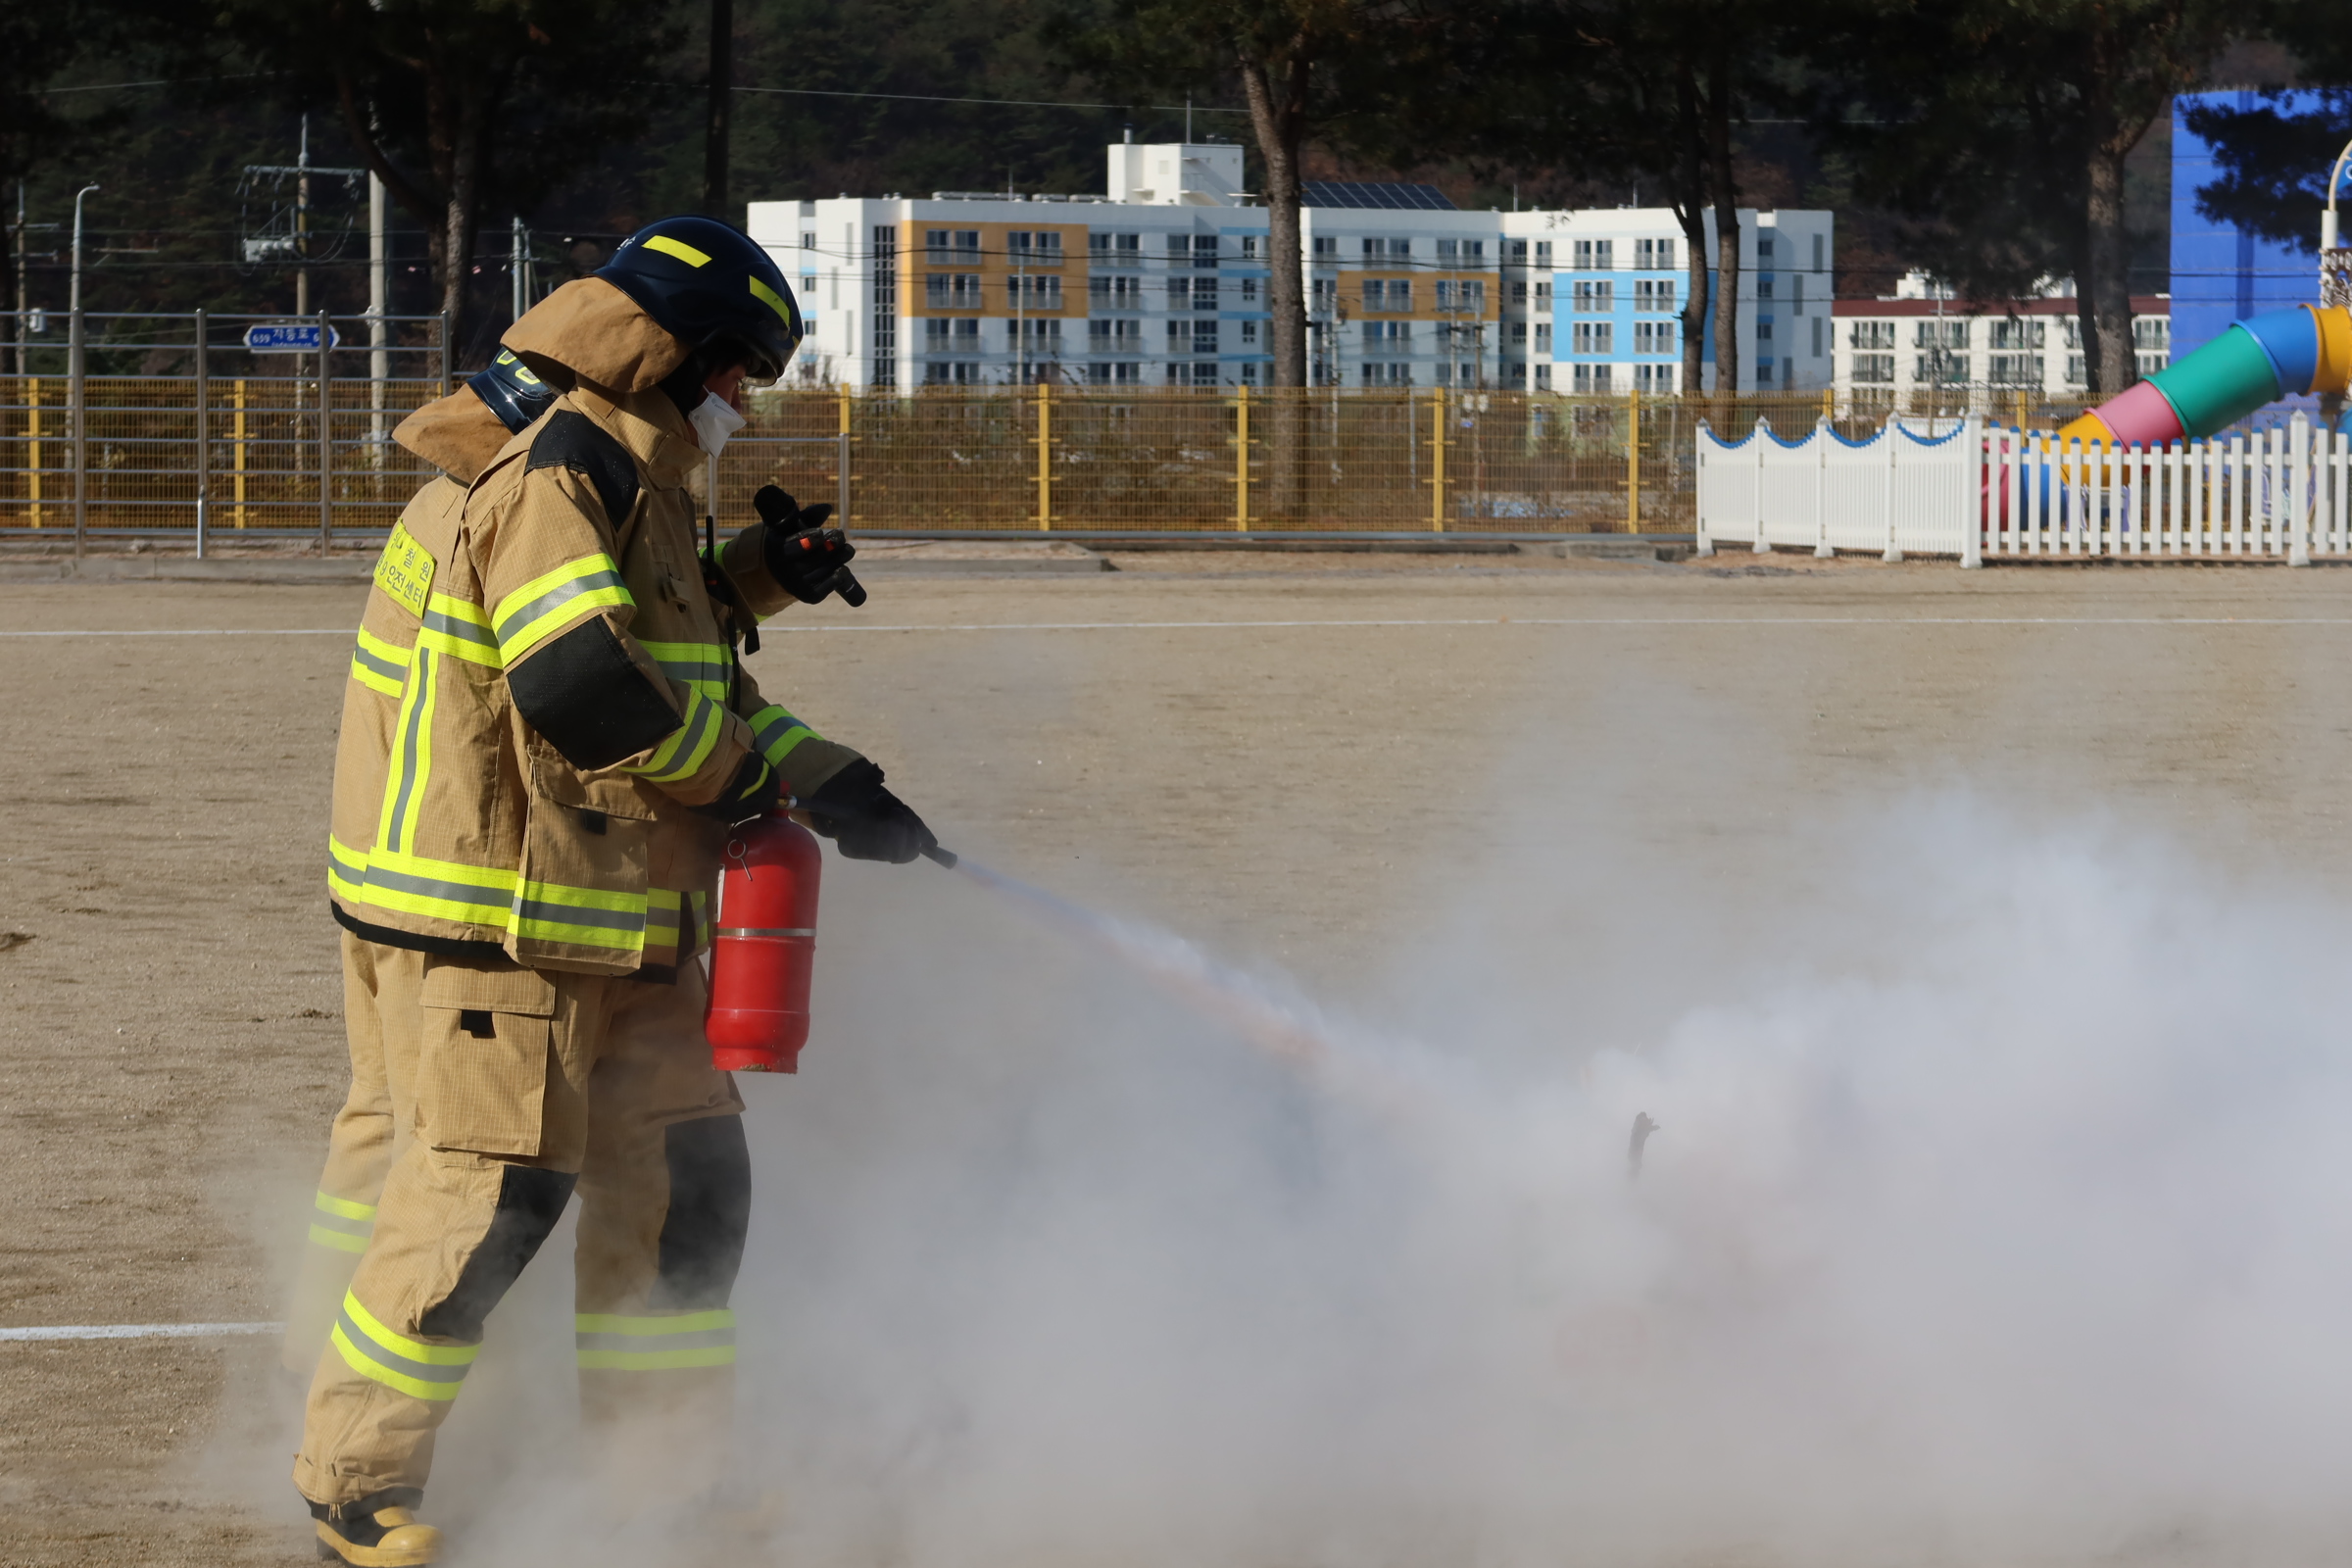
(996, 460)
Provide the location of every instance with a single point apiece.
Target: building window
(1763, 329)
(1589, 378)
(1817, 337)
(1874, 370)
(1205, 293)
(1113, 292)
(1249, 331)
(1205, 337)
(809, 240)
(1596, 255)
(1593, 298)
(1249, 292)
(886, 305)
(1940, 335)
(2078, 373)
(1542, 377)
(1115, 250)
(2016, 369)
(1542, 296)
(1653, 254)
(1871, 335)
(1206, 373)
(943, 291)
(1325, 295)
(1763, 251)
(957, 246)
(1032, 293)
(1041, 248)
(1940, 368)
(1250, 247)
(1595, 338)
(1516, 251)
(1326, 249)
(2150, 363)
(1394, 294)
(1764, 283)
(1542, 253)
(1542, 338)
(1653, 337)
(1467, 295)
(1654, 296)
(1205, 250)
(1519, 334)
(1796, 294)
(1179, 252)
(1387, 337)
(1042, 334)
(1464, 253)
(2152, 332)
(2014, 333)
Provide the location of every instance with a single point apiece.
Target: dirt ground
(1277, 754)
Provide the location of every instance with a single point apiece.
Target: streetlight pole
(76, 378)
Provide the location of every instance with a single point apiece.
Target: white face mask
(713, 422)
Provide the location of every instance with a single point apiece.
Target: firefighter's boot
(379, 1531)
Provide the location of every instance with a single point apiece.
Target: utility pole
(518, 294)
(379, 351)
(721, 102)
(23, 257)
(302, 222)
(77, 384)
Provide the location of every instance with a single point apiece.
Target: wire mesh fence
(271, 454)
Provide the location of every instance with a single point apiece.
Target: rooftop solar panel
(1373, 193)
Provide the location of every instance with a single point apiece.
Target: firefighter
(459, 434)
(574, 732)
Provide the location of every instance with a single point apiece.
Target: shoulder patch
(569, 439)
(405, 570)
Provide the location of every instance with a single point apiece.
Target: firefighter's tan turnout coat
(570, 580)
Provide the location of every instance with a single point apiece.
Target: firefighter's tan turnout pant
(367, 1136)
(528, 1084)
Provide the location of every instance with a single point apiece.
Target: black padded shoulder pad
(581, 692)
(569, 439)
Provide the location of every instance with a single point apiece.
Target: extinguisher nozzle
(942, 856)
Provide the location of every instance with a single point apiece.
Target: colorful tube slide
(2258, 361)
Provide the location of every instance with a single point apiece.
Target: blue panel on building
(2222, 275)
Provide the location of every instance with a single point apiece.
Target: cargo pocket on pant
(482, 1063)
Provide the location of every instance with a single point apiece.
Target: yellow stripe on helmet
(678, 248)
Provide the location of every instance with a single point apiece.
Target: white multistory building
(1922, 339)
(1164, 281)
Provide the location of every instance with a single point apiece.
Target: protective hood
(459, 434)
(589, 330)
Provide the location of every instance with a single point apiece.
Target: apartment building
(1923, 339)
(1164, 280)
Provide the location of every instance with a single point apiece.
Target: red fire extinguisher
(761, 952)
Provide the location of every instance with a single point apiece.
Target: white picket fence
(2280, 494)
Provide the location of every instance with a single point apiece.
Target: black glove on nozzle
(865, 820)
(808, 559)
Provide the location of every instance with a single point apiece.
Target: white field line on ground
(1276, 625)
(141, 1331)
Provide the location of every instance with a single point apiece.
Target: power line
(1004, 103)
(158, 82)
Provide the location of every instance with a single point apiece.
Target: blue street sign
(289, 337)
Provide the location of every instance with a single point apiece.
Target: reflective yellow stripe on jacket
(611, 1341)
(551, 601)
(689, 745)
(776, 732)
(459, 629)
(380, 666)
(705, 666)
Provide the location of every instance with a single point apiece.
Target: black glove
(754, 790)
(808, 559)
(867, 820)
